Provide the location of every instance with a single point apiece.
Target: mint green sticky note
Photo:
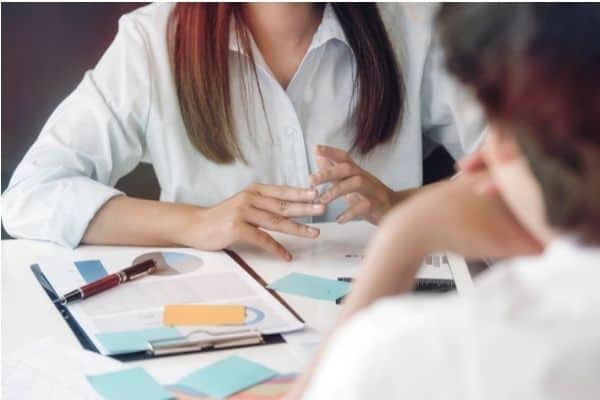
(226, 377)
(311, 286)
(129, 384)
(134, 341)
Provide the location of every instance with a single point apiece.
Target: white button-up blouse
(125, 111)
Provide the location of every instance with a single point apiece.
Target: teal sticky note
(311, 286)
(129, 384)
(133, 341)
(226, 377)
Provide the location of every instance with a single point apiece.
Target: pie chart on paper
(253, 315)
(172, 262)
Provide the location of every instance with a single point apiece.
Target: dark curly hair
(535, 68)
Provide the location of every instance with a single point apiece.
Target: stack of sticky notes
(202, 314)
(129, 384)
(225, 378)
(311, 286)
(272, 389)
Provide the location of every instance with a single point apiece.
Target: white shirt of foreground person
(529, 330)
(125, 111)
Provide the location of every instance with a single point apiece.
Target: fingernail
(313, 231)
(340, 219)
(318, 207)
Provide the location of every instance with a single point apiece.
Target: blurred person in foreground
(530, 329)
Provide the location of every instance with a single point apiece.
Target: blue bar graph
(90, 270)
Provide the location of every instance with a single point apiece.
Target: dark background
(46, 48)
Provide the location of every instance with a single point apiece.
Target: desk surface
(28, 315)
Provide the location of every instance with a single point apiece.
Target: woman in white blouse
(232, 106)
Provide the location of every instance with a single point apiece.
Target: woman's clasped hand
(244, 217)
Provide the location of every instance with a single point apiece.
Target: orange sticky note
(196, 314)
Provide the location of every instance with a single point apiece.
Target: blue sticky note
(133, 341)
(90, 270)
(226, 377)
(129, 384)
(311, 286)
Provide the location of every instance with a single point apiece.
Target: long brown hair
(198, 42)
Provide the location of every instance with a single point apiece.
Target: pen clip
(138, 270)
(143, 273)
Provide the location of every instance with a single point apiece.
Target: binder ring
(217, 340)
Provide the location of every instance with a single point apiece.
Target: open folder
(126, 322)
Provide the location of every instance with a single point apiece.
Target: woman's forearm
(244, 217)
(130, 221)
(404, 194)
(401, 195)
(392, 261)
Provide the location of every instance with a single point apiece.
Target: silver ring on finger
(283, 205)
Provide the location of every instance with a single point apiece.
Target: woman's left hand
(367, 196)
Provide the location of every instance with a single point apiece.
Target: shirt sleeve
(450, 117)
(393, 350)
(93, 138)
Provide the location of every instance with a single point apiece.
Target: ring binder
(220, 340)
(174, 346)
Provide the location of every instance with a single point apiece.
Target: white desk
(28, 315)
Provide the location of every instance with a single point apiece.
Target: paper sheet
(51, 371)
(303, 344)
(338, 251)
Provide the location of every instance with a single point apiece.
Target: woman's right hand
(243, 217)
